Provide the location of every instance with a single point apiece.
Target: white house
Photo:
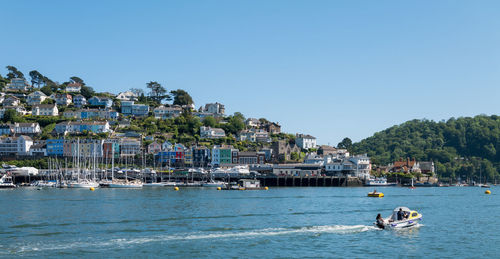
(73, 88)
(208, 132)
(62, 99)
(127, 96)
(27, 128)
(36, 97)
(358, 166)
(15, 145)
(45, 109)
(305, 141)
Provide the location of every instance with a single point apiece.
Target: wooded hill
(460, 147)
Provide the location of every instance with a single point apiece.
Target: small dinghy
(402, 217)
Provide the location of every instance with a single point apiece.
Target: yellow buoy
(376, 194)
(92, 188)
(176, 188)
(266, 188)
(219, 188)
(487, 192)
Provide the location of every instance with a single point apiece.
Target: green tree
(46, 90)
(209, 121)
(87, 91)
(11, 116)
(181, 97)
(346, 143)
(36, 78)
(14, 73)
(158, 93)
(77, 80)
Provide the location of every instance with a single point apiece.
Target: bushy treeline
(460, 147)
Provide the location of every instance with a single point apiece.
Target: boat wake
(127, 242)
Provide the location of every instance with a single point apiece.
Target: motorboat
(153, 184)
(6, 182)
(378, 182)
(410, 218)
(213, 183)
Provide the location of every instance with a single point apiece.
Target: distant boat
(6, 182)
(378, 182)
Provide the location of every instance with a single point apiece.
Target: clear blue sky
(327, 68)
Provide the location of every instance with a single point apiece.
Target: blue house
(100, 101)
(55, 147)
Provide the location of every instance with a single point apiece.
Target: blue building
(55, 147)
(100, 101)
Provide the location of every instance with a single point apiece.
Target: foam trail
(336, 229)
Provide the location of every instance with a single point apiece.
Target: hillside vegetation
(462, 147)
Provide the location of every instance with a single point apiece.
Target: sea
(317, 222)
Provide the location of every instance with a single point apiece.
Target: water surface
(278, 223)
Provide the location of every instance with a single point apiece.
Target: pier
(265, 180)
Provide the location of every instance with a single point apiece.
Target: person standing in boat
(380, 221)
(400, 214)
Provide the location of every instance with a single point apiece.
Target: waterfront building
(222, 155)
(38, 150)
(36, 97)
(201, 156)
(297, 169)
(45, 110)
(129, 147)
(110, 147)
(55, 147)
(251, 157)
(313, 158)
(339, 165)
(305, 141)
(86, 147)
(208, 132)
(12, 146)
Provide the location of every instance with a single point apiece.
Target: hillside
(462, 147)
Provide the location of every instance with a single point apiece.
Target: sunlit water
(278, 223)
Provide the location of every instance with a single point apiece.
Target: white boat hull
(83, 185)
(124, 185)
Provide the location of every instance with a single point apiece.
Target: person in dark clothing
(400, 214)
(380, 221)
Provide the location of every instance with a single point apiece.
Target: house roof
(45, 106)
